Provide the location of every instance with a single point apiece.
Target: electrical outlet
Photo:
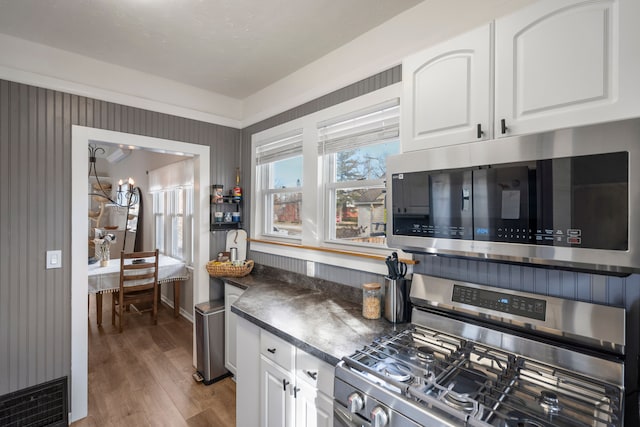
(311, 269)
(54, 259)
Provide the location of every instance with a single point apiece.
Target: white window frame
(264, 186)
(313, 191)
(169, 217)
(346, 130)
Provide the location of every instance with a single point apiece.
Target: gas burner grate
(483, 385)
(547, 396)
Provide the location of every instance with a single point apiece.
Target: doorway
(81, 137)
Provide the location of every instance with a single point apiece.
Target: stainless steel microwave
(567, 198)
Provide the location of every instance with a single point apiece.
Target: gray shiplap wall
(35, 211)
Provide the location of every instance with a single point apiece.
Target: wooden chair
(138, 285)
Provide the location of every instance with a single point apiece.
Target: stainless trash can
(210, 341)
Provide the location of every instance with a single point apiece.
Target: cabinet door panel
(324, 410)
(306, 406)
(431, 116)
(563, 63)
(249, 375)
(582, 76)
(277, 406)
(446, 92)
(313, 408)
(231, 294)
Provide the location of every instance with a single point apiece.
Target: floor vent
(41, 405)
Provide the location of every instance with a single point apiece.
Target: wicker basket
(226, 269)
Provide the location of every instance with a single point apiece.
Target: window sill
(357, 260)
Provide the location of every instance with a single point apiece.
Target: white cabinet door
(447, 93)
(562, 63)
(313, 408)
(276, 386)
(231, 294)
(324, 408)
(248, 374)
(306, 412)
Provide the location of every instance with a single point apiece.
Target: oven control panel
(532, 308)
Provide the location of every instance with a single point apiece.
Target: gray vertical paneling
(34, 180)
(285, 263)
(35, 210)
(5, 173)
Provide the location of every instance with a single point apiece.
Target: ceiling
(231, 47)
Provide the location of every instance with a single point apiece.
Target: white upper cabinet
(558, 64)
(447, 92)
(562, 63)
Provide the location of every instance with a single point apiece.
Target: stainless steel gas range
(476, 355)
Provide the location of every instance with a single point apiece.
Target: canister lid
(371, 286)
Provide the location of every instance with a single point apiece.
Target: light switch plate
(54, 259)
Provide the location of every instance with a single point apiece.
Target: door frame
(81, 136)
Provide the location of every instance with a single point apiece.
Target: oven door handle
(348, 419)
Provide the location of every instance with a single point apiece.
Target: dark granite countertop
(320, 317)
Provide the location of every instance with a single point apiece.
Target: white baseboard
(184, 313)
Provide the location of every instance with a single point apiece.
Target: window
(354, 149)
(172, 190)
(279, 172)
(319, 181)
(173, 214)
(158, 219)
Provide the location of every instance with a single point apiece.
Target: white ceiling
(231, 47)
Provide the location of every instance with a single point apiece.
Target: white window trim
(314, 199)
(263, 195)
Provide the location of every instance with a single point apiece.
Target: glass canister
(371, 300)
(217, 193)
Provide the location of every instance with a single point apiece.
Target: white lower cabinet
(248, 375)
(231, 294)
(313, 408)
(293, 388)
(277, 399)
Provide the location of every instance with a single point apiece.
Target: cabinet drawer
(315, 372)
(277, 350)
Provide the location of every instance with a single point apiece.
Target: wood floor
(143, 377)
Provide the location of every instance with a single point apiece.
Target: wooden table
(107, 279)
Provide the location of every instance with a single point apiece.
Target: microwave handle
(465, 195)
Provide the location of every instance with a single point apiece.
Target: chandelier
(126, 198)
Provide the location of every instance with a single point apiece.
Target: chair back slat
(136, 278)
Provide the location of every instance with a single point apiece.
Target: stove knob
(356, 403)
(379, 417)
